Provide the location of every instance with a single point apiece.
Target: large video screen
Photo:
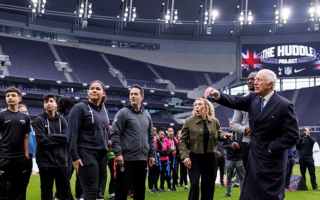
(286, 60)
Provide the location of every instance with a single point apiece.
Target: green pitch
(181, 194)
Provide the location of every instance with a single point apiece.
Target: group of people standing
(168, 162)
(82, 137)
(264, 128)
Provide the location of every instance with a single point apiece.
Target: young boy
(14, 154)
(52, 150)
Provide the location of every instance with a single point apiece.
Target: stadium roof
(107, 16)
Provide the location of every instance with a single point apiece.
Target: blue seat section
(183, 79)
(30, 59)
(135, 72)
(87, 65)
(132, 69)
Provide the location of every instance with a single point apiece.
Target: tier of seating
(36, 59)
(30, 59)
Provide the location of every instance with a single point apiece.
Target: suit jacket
(274, 130)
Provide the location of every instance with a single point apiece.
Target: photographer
(305, 147)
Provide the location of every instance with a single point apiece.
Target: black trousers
(27, 175)
(102, 183)
(112, 183)
(204, 166)
(153, 177)
(221, 164)
(69, 176)
(78, 189)
(290, 165)
(133, 177)
(305, 164)
(93, 172)
(183, 174)
(14, 173)
(165, 174)
(57, 175)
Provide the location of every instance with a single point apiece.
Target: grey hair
(270, 76)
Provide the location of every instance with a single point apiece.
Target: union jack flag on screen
(250, 60)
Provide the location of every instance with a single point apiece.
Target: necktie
(262, 100)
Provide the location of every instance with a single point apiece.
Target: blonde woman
(200, 135)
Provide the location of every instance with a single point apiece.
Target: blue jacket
(32, 143)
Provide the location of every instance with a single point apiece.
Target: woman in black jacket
(89, 127)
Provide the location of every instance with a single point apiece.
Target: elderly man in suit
(274, 126)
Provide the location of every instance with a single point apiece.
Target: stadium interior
(173, 48)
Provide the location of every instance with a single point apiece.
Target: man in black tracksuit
(305, 150)
(52, 151)
(14, 154)
(131, 138)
